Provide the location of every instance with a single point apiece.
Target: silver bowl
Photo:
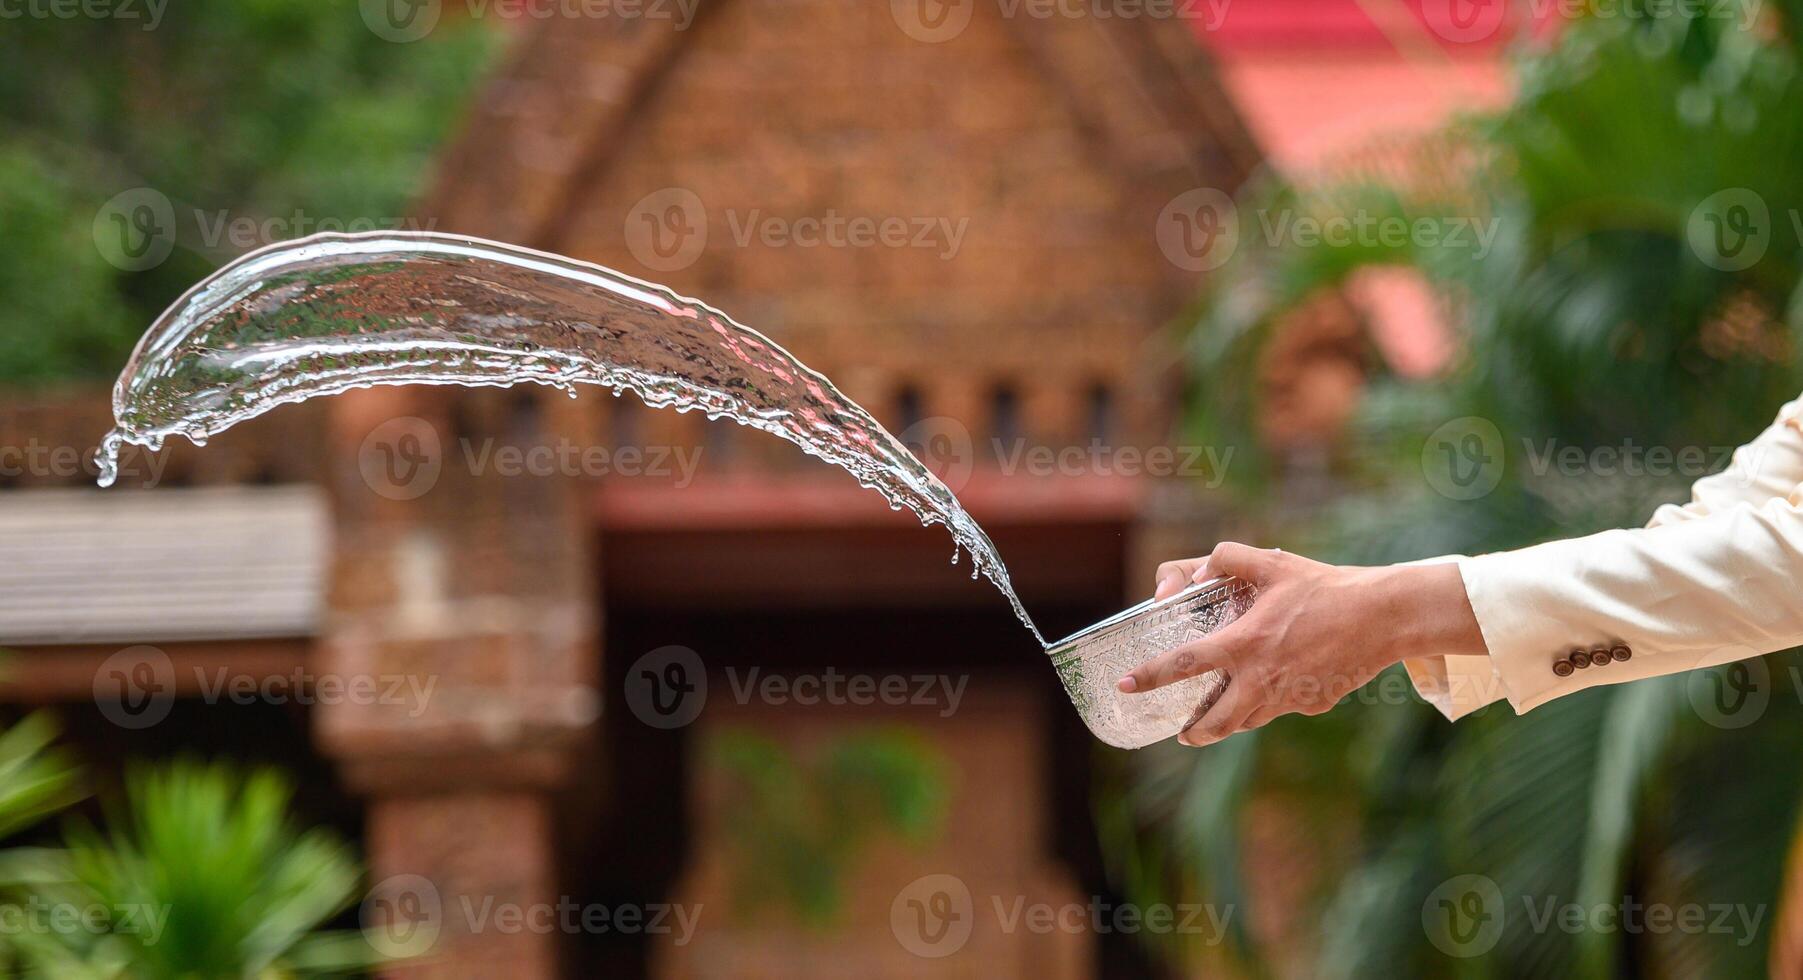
(1091, 660)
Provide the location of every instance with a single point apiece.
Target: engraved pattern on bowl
(1090, 662)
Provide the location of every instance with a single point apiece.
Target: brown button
(1601, 656)
(1563, 667)
(1621, 652)
(1579, 659)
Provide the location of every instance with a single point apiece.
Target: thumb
(1235, 560)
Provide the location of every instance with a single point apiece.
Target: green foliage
(800, 823)
(1604, 312)
(201, 874)
(36, 779)
(291, 110)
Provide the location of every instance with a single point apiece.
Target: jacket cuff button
(1621, 652)
(1601, 656)
(1579, 658)
(1563, 667)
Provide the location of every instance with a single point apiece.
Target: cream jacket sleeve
(1715, 580)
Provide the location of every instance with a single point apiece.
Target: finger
(1173, 576)
(1262, 717)
(1235, 560)
(1188, 660)
(1227, 715)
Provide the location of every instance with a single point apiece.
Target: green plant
(201, 874)
(1598, 316)
(799, 822)
(36, 780)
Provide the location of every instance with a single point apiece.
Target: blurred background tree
(271, 109)
(1643, 289)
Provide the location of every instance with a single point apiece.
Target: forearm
(1675, 597)
(1768, 467)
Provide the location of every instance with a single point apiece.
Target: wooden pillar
(467, 595)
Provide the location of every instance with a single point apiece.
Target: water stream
(326, 314)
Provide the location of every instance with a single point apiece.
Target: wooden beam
(51, 674)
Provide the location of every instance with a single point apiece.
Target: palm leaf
(235, 889)
(35, 779)
(1636, 732)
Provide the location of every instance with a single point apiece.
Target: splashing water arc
(326, 314)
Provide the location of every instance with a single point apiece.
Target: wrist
(1428, 612)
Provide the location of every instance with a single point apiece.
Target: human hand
(1315, 633)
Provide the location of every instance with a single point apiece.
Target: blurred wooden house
(975, 224)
